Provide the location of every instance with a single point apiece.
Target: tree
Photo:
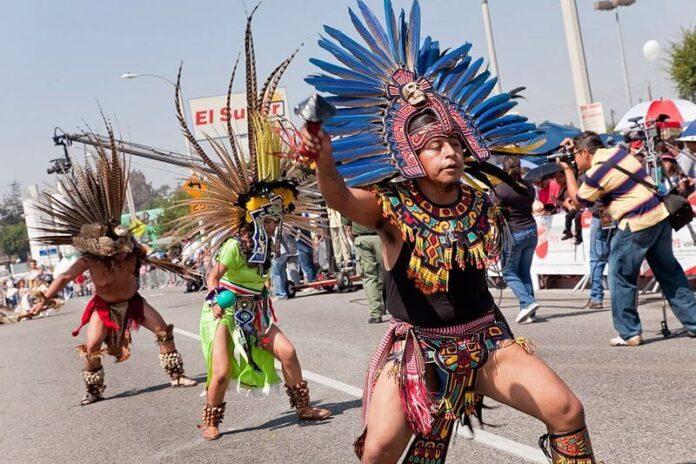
(163, 191)
(682, 64)
(13, 229)
(145, 196)
(142, 190)
(14, 240)
(173, 209)
(11, 208)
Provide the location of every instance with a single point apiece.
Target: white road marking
(331, 383)
(149, 295)
(186, 333)
(506, 445)
(492, 440)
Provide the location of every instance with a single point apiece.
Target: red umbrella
(679, 111)
(666, 107)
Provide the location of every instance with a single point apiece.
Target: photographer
(643, 233)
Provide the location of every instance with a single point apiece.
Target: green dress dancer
(245, 282)
(246, 198)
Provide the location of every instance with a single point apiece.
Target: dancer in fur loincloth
(414, 127)
(87, 216)
(241, 213)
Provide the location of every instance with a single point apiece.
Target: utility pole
(492, 57)
(623, 60)
(576, 53)
(129, 201)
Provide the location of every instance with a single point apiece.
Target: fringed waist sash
(253, 309)
(456, 353)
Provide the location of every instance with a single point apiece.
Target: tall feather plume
(217, 213)
(269, 87)
(230, 132)
(117, 185)
(90, 194)
(413, 38)
(192, 140)
(251, 89)
(169, 266)
(117, 189)
(232, 171)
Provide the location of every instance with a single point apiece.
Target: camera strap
(635, 178)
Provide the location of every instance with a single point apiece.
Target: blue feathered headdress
(380, 86)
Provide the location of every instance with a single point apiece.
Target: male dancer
(418, 117)
(87, 216)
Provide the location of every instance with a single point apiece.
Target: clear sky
(62, 57)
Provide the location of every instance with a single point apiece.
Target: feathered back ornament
(87, 209)
(381, 85)
(266, 181)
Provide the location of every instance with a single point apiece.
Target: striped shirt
(626, 200)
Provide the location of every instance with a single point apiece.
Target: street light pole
(609, 5)
(623, 60)
(492, 57)
(180, 102)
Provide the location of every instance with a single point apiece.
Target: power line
(140, 163)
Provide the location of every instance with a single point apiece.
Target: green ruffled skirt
(246, 376)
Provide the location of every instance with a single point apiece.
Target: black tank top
(468, 297)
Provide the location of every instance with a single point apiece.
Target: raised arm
(59, 283)
(359, 205)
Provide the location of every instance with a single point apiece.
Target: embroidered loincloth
(454, 354)
(119, 319)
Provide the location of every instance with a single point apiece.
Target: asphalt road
(640, 402)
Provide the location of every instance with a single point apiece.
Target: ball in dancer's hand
(225, 299)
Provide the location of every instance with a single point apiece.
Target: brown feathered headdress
(267, 181)
(87, 206)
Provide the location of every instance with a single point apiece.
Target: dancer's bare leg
(387, 430)
(154, 322)
(170, 359)
(526, 383)
(523, 381)
(96, 333)
(219, 378)
(283, 350)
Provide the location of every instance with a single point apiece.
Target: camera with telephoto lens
(643, 132)
(562, 156)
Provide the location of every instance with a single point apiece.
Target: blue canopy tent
(554, 135)
(689, 134)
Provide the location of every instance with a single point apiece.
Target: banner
(592, 116)
(554, 256)
(210, 115)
